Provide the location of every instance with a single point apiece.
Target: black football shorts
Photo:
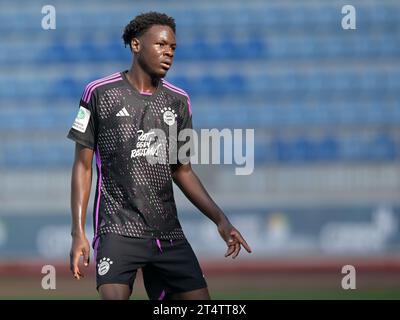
(169, 266)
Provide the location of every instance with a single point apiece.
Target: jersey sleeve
(84, 127)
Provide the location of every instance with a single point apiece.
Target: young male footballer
(135, 216)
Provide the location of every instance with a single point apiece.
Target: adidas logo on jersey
(122, 113)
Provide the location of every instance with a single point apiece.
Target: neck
(141, 80)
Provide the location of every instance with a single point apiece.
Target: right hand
(80, 247)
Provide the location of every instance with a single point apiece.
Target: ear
(135, 45)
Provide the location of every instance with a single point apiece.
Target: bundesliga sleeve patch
(81, 120)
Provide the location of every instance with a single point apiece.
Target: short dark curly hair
(141, 23)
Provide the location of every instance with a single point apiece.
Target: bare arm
(191, 186)
(81, 182)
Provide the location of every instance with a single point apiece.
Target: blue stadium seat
(328, 149)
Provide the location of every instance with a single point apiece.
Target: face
(155, 50)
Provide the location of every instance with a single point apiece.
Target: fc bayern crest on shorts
(103, 266)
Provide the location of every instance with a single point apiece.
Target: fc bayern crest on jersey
(103, 266)
(169, 116)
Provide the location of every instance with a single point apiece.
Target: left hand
(233, 239)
